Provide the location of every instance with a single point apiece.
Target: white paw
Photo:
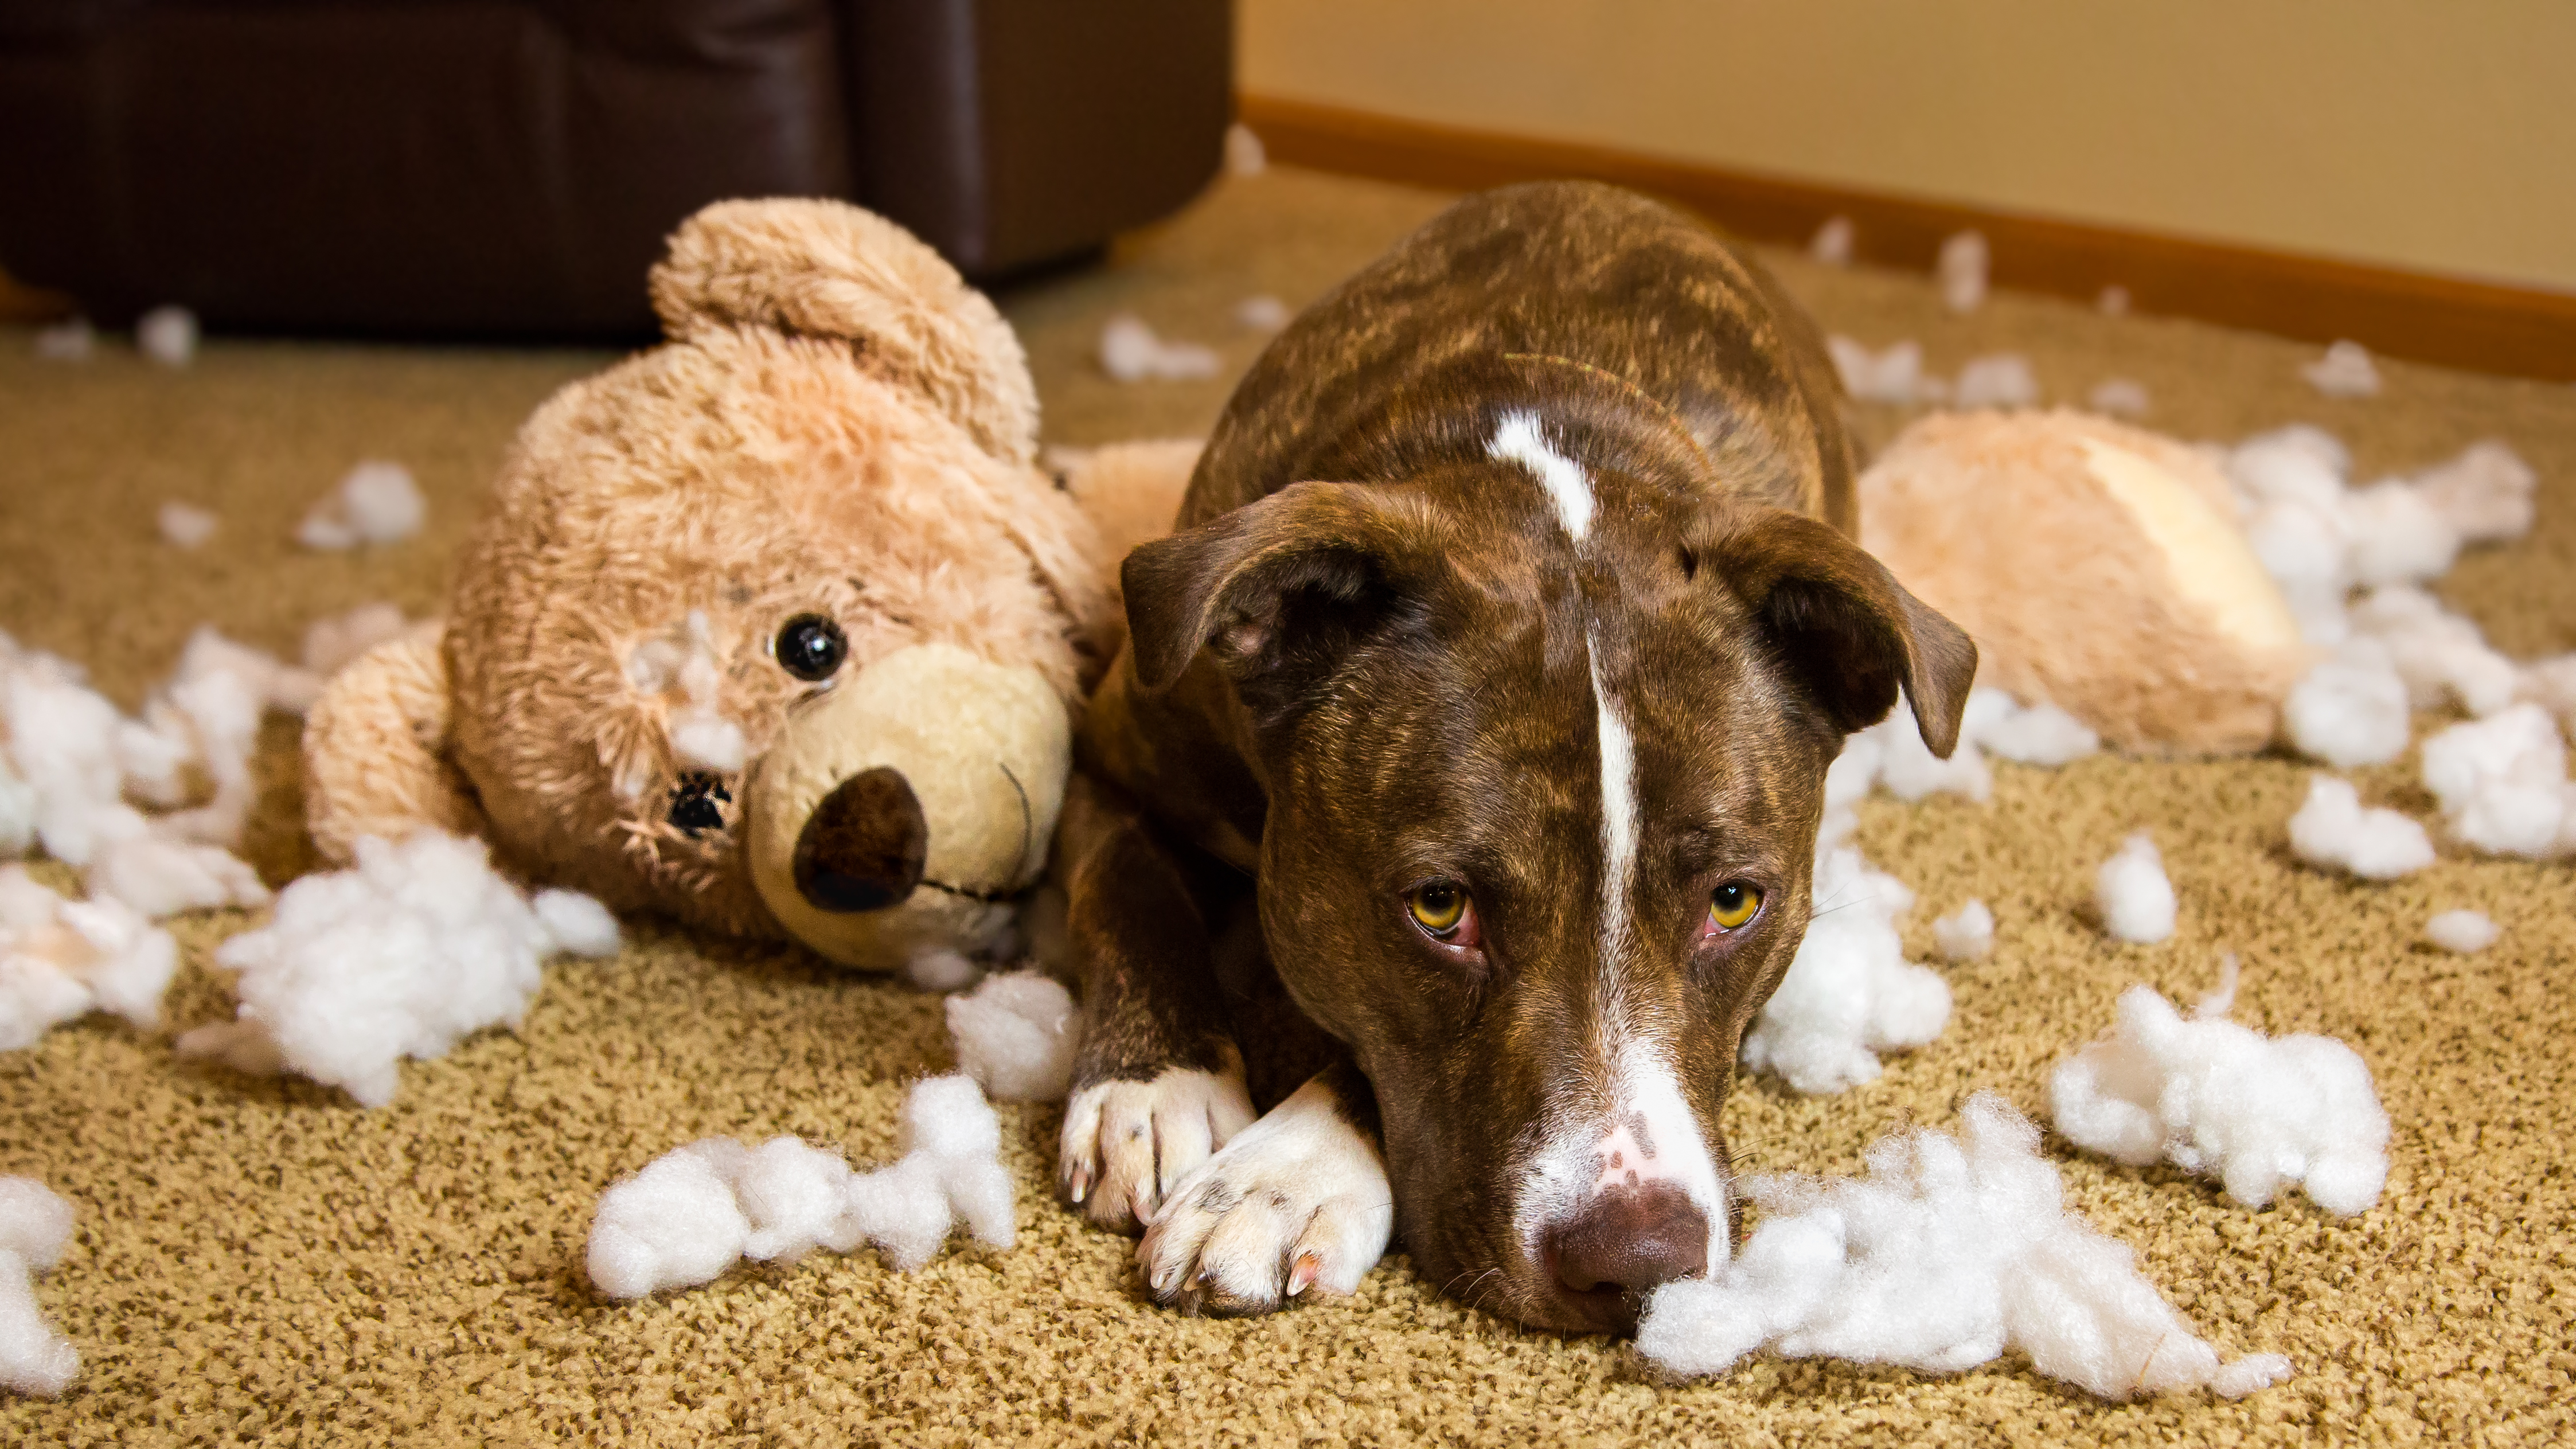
(1127, 1144)
(1297, 1200)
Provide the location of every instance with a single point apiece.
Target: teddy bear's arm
(375, 760)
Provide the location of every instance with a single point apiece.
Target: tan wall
(2434, 135)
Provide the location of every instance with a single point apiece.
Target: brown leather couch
(510, 167)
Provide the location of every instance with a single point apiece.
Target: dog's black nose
(862, 848)
(1629, 1240)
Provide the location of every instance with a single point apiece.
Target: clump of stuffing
(167, 335)
(1016, 1036)
(61, 959)
(2438, 653)
(2333, 830)
(2466, 932)
(1962, 270)
(1946, 1254)
(2002, 380)
(692, 1213)
(1263, 313)
(159, 875)
(1131, 352)
(2257, 1113)
(2038, 734)
(1833, 242)
(34, 1227)
(2352, 709)
(941, 968)
(2485, 494)
(2345, 371)
(1894, 376)
(2121, 397)
(416, 947)
(1849, 993)
(332, 642)
(2112, 301)
(71, 341)
(2136, 901)
(185, 525)
(1244, 153)
(376, 503)
(2502, 784)
(1966, 934)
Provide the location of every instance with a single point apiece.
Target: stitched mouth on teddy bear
(865, 846)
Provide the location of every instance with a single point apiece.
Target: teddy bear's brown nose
(862, 848)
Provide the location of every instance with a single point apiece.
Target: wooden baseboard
(2428, 318)
(22, 303)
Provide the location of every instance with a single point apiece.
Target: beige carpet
(264, 1261)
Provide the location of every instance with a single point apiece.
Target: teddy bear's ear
(375, 756)
(829, 269)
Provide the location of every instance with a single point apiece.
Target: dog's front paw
(1297, 1200)
(1127, 1144)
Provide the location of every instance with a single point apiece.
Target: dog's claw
(1078, 1186)
(1127, 1143)
(1302, 1276)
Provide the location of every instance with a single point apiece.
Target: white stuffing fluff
(1833, 242)
(160, 876)
(2112, 301)
(1849, 993)
(692, 1213)
(2485, 494)
(2258, 1114)
(35, 1226)
(2136, 901)
(2345, 371)
(330, 643)
(2397, 536)
(185, 525)
(167, 335)
(1966, 934)
(71, 341)
(1016, 1036)
(2332, 829)
(1908, 770)
(1962, 270)
(1263, 313)
(18, 806)
(2352, 709)
(2502, 784)
(2122, 397)
(2549, 683)
(2002, 380)
(416, 947)
(2438, 653)
(2038, 734)
(1244, 153)
(940, 968)
(1893, 376)
(1950, 1251)
(1131, 352)
(376, 502)
(2466, 932)
(61, 959)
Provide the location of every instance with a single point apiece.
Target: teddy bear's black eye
(811, 647)
(697, 804)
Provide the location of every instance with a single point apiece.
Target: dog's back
(1396, 369)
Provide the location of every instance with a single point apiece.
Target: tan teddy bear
(777, 628)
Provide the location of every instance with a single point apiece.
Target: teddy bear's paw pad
(1297, 1203)
(1127, 1144)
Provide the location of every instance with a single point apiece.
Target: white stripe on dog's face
(1645, 1131)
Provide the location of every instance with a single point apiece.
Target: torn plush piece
(2502, 783)
(693, 1213)
(2131, 891)
(2464, 932)
(376, 502)
(1016, 1036)
(2258, 1114)
(35, 1225)
(1951, 1251)
(418, 946)
(1131, 352)
(1849, 993)
(2333, 830)
(61, 959)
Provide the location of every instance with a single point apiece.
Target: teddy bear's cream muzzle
(901, 809)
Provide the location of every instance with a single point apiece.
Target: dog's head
(1544, 747)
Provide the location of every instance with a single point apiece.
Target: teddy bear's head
(775, 627)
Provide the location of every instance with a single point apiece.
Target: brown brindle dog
(1512, 621)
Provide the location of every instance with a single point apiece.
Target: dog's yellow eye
(1733, 904)
(1437, 905)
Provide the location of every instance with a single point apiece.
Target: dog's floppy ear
(1278, 589)
(1844, 624)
